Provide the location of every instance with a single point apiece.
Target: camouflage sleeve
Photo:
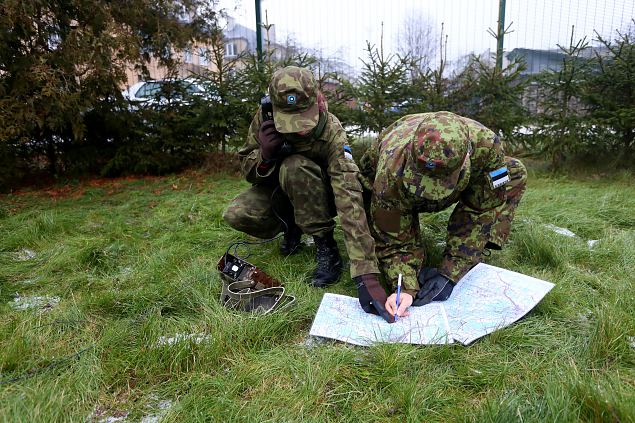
(368, 165)
(251, 164)
(475, 214)
(347, 191)
(397, 234)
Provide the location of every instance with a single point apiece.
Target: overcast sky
(340, 28)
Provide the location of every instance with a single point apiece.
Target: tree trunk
(51, 155)
(627, 138)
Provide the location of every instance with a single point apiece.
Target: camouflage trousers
(299, 191)
(471, 231)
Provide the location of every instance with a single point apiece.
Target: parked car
(164, 91)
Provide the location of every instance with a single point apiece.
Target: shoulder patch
(497, 178)
(348, 153)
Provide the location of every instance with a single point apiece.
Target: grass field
(118, 264)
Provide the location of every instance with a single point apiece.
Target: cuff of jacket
(412, 292)
(265, 168)
(455, 267)
(363, 267)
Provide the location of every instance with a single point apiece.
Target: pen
(398, 295)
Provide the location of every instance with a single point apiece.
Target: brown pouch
(248, 288)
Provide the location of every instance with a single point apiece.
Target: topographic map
(487, 298)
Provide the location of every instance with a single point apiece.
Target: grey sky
(340, 28)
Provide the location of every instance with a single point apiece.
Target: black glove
(270, 140)
(372, 297)
(433, 286)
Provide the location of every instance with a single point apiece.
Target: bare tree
(418, 39)
(630, 30)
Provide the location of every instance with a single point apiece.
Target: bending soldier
(425, 163)
(301, 179)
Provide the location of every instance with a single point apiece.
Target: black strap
(319, 129)
(248, 295)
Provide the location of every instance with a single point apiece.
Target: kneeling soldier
(428, 162)
(301, 174)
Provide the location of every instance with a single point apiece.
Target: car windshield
(149, 89)
(191, 88)
(153, 88)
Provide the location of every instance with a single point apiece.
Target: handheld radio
(267, 108)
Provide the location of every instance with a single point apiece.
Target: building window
(187, 56)
(230, 50)
(203, 58)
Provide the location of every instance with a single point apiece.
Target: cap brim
(435, 188)
(289, 123)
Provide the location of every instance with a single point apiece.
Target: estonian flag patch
(348, 153)
(499, 177)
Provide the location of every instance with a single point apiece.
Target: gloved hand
(270, 140)
(433, 286)
(372, 296)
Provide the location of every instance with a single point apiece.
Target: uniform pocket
(350, 175)
(387, 220)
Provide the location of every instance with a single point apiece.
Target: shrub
(489, 95)
(162, 138)
(561, 119)
(610, 93)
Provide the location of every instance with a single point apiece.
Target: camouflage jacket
(394, 210)
(327, 150)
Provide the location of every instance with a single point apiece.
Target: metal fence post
(500, 35)
(258, 32)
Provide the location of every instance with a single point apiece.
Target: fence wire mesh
(336, 31)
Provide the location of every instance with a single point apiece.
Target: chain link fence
(337, 31)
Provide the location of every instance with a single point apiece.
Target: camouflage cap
(440, 157)
(293, 93)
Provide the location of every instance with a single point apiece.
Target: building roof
(235, 31)
(528, 53)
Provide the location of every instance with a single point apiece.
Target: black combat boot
(291, 242)
(329, 262)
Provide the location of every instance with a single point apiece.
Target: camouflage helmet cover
(440, 156)
(293, 93)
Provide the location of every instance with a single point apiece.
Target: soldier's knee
(233, 217)
(518, 182)
(517, 171)
(260, 226)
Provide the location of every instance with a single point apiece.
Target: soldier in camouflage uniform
(301, 178)
(425, 163)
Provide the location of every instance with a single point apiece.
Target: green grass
(134, 260)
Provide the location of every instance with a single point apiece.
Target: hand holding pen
(398, 303)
